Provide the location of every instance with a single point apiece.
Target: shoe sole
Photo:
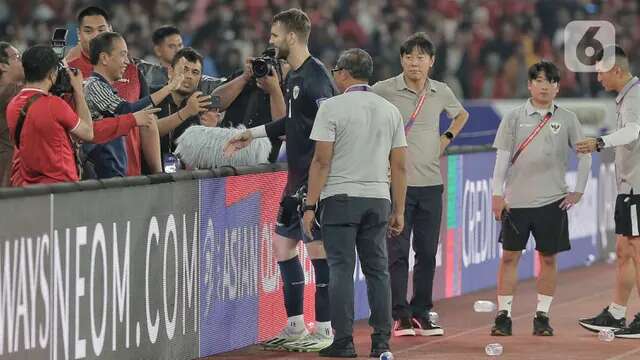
(499, 333)
(301, 348)
(596, 328)
(432, 332)
(628, 336)
(405, 332)
(542, 333)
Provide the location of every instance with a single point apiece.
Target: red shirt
(129, 89)
(45, 154)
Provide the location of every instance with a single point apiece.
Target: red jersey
(129, 89)
(45, 154)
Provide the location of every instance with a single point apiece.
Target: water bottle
(493, 349)
(484, 306)
(606, 335)
(590, 260)
(434, 317)
(387, 355)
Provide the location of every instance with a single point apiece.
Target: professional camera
(265, 64)
(63, 82)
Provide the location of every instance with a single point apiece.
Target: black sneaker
(425, 327)
(541, 325)
(604, 321)
(502, 326)
(342, 348)
(378, 349)
(630, 332)
(403, 327)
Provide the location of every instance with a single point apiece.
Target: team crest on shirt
(555, 127)
(296, 92)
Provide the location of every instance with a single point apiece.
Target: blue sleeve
(128, 108)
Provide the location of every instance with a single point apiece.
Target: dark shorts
(548, 224)
(289, 221)
(627, 214)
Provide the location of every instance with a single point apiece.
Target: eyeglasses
(333, 71)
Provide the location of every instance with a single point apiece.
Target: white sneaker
(310, 343)
(287, 335)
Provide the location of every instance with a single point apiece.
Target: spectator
(11, 78)
(43, 149)
(185, 106)
(109, 57)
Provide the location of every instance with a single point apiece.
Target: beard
(282, 53)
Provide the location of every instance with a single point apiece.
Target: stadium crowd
(483, 46)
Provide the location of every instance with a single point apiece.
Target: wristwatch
(449, 135)
(599, 144)
(308, 207)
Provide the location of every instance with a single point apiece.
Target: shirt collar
(402, 85)
(358, 85)
(100, 77)
(626, 89)
(33, 89)
(532, 110)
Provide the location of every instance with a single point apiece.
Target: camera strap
(23, 116)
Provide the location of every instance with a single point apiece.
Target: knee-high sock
(321, 269)
(292, 285)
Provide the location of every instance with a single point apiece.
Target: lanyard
(531, 136)
(415, 113)
(358, 88)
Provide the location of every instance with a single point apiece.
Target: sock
(296, 322)
(292, 286)
(504, 303)
(323, 312)
(617, 311)
(324, 328)
(544, 303)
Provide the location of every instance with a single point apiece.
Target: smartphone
(215, 103)
(59, 41)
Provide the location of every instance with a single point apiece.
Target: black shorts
(548, 224)
(627, 214)
(289, 221)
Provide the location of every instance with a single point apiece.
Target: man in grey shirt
(627, 159)
(420, 101)
(358, 135)
(533, 145)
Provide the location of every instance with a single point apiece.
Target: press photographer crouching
(41, 124)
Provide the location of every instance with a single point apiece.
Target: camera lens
(260, 68)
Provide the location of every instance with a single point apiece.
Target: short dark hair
(38, 61)
(295, 20)
(163, 32)
(101, 43)
(357, 62)
(4, 56)
(419, 40)
(93, 11)
(549, 69)
(188, 53)
(618, 52)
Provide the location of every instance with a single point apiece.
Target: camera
(265, 64)
(63, 82)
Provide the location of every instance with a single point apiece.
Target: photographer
(108, 53)
(11, 78)
(185, 106)
(44, 153)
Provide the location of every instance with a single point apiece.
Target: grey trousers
(350, 223)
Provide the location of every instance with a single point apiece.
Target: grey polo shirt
(538, 176)
(423, 164)
(628, 156)
(364, 128)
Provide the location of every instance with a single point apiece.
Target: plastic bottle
(606, 335)
(387, 355)
(590, 260)
(494, 349)
(433, 316)
(484, 306)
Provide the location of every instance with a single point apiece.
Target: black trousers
(422, 216)
(350, 223)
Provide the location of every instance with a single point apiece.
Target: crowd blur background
(483, 46)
